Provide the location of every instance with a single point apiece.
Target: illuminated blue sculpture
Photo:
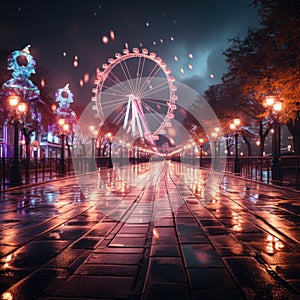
(64, 97)
(22, 65)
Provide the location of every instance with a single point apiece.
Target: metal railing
(45, 169)
(253, 167)
(260, 168)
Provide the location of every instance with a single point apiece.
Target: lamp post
(64, 127)
(275, 106)
(121, 152)
(215, 135)
(201, 140)
(93, 162)
(109, 138)
(234, 126)
(19, 108)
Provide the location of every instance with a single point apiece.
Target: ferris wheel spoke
(155, 114)
(127, 75)
(149, 78)
(139, 73)
(139, 78)
(161, 87)
(118, 118)
(164, 102)
(121, 114)
(120, 84)
(114, 103)
(115, 93)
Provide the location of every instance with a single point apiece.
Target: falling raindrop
(211, 76)
(175, 58)
(181, 70)
(190, 66)
(191, 56)
(147, 24)
(64, 53)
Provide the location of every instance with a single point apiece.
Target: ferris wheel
(135, 90)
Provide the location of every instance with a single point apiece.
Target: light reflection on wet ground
(114, 239)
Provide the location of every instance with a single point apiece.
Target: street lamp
(109, 138)
(201, 140)
(64, 127)
(275, 106)
(19, 108)
(234, 126)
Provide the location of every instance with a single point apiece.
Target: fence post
(36, 169)
(43, 166)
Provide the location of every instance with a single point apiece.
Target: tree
(227, 106)
(266, 62)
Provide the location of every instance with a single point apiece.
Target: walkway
(153, 236)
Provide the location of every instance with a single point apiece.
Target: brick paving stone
(210, 278)
(166, 269)
(113, 287)
(65, 258)
(85, 243)
(193, 239)
(165, 250)
(108, 270)
(218, 294)
(128, 242)
(201, 255)
(111, 258)
(164, 222)
(134, 229)
(157, 291)
(116, 250)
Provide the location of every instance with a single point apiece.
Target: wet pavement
(110, 238)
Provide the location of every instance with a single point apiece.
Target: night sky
(188, 35)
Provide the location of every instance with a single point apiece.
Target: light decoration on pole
(64, 128)
(201, 141)
(64, 97)
(109, 139)
(234, 126)
(22, 65)
(275, 107)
